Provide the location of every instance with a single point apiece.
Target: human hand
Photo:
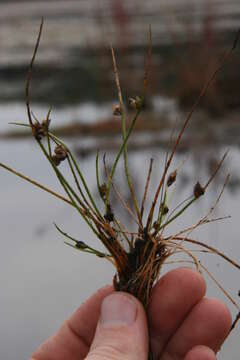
(112, 325)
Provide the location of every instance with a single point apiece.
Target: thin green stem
(87, 206)
(68, 190)
(19, 124)
(178, 213)
(123, 123)
(97, 175)
(35, 183)
(79, 173)
(120, 153)
(88, 248)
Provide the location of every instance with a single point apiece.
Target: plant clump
(137, 256)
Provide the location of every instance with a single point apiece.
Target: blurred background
(42, 280)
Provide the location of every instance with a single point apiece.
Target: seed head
(38, 131)
(45, 124)
(171, 178)
(164, 209)
(103, 190)
(198, 190)
(55, 160)
(80, 245)
(117, 110)
(135, 103)
(60, 154)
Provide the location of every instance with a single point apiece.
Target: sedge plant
(137, 256)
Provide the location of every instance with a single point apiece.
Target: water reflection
(188, 39)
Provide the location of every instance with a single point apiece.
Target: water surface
(43, 281)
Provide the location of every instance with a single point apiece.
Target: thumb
(121, 331)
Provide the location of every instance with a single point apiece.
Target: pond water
(75, 41)
(43, 281)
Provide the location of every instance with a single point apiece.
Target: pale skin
(184, 324)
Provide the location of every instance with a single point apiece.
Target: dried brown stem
(216, 170)
(188, 118)
(219, 286)
(146, 187)
(235, 322)
(211, 248)
(188, 252)
(29, 75)
(147, 63)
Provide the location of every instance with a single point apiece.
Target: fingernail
(118, 309)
